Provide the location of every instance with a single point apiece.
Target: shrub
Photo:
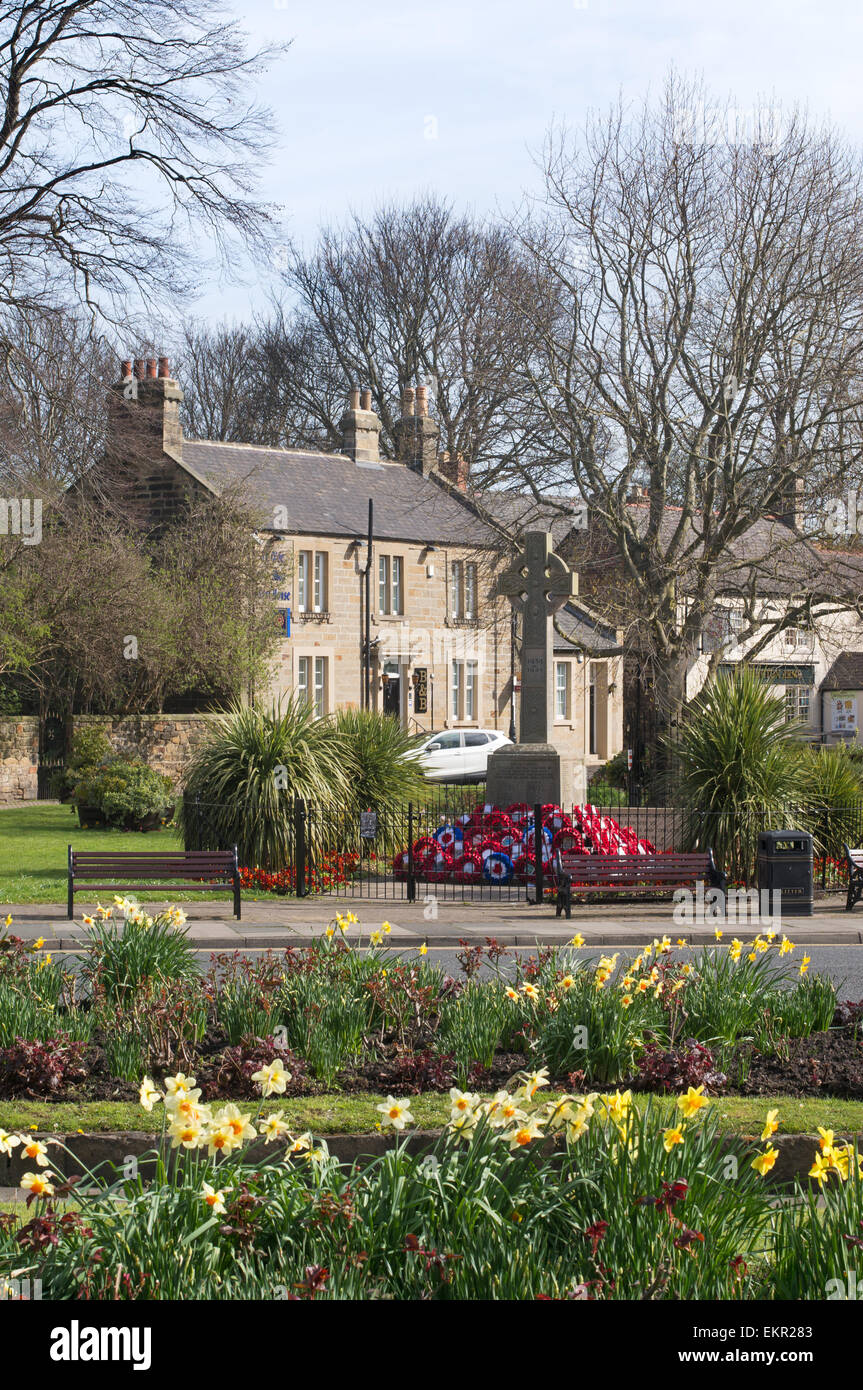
(40, 1068)
(242, 783)
(376, 747)
(738, 764)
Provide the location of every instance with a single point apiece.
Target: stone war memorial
(537, 583)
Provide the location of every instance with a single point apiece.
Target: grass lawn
(352, 1114)
(34, 842)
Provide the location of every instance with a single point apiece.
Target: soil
(829, 1063)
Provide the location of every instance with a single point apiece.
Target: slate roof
(585, 629)
(846, 673)
(327, 494)
(519, 511)
(769, 555)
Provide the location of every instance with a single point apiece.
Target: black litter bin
(785, 867)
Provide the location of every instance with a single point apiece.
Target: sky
(380, 101)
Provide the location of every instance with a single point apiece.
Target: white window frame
(303, 670)
(562, 670)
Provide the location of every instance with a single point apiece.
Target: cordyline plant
(737, 765)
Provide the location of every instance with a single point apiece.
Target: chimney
(361, 429)
(790, 509)
(416, 432)
(144, 424)
(455, 470)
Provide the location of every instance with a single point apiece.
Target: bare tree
(412, 295)
(124, 128)
(693, 337)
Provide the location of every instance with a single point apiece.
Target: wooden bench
(630, 873)
(104, 871)
(854, 862)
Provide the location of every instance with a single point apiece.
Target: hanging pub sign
(420, 680)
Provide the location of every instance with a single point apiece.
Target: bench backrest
(855, 857)
(587, 867)
(86, 863)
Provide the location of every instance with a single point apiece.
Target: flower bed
(584, 1197)
(734, 1018)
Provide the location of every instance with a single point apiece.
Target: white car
(459, 755)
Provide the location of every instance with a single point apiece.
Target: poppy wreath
(528, 837)
(524, 866)
(451, 838)
(498, 822)
(510, 841)
(425, 852)
(556, 820)
(400, 864)
(518, 811)
(441, 867)
(474, 836)
(569, 840)
(498, 867)
(469, 867)
(489, 845)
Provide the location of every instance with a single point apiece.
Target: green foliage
(738, 767)
(124, 792)
(241, 785)
(831, 788)
(122, 956)
(376, 746)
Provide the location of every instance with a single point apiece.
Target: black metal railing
(452, 847)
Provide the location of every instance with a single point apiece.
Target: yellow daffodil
(186, 1134)
(376, 938)
(38, 943)
(820, 1169)
(804, 964)
(825, 1143)
(735, 948)
(718, 933)
(220, 1139)
(424, 950)
(567, 982)
(673, 1136)
(386, 928)
(785, 946)
(762, 1163)
(692, 1101)
(771, 1124)
(577, 940)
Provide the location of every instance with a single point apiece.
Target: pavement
(441, 923)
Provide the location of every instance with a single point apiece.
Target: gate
(52, 754)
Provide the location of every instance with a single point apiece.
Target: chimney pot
(366, 400)
(126, 370)
(422, 400)
(140, 368)
(151, 369)
(354, 400)
(408, 401)
(164, 368)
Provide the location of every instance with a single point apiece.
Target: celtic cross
(537, 583)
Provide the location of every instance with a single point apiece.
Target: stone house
(439, 653)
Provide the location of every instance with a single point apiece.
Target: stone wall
(19, 757)
(164, 741)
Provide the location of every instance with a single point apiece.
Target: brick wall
(19, 753)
